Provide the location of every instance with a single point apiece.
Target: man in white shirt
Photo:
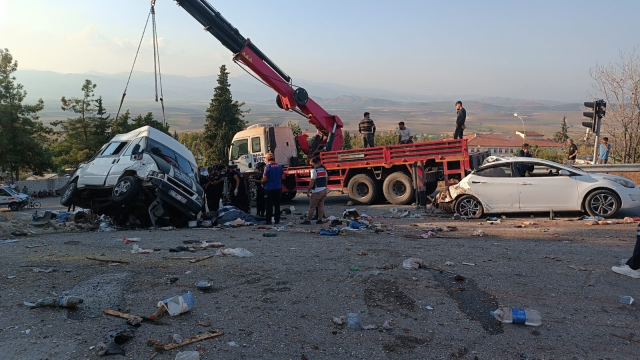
(13, 185)
(405, 136)
(317, 191)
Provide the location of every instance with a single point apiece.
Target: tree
(81, 137)
(562, 135)
(224, 119)
(347, 144)
(619, 84)
(22, 135)
(195, 143)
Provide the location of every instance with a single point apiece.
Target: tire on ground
(69, 194)
(363, 189)
(398, 189)
(603, 203)
(469, 206)
(125, 190)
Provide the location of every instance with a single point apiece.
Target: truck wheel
(602, 203)
(125, 190)
(470, 207)
(14, 206)
(69, 195)
(398, 189)
(363, 189)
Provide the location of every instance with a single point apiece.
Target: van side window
(3, 193)
(255, 145)
(133, 144)
(114, 148)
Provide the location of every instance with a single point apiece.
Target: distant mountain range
(50, 86)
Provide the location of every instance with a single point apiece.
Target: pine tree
(22, 134)
(347, 144)
(224, 119)
(562, 135)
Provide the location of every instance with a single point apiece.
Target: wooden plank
(192, 340)
(107, 260)
(200, 259)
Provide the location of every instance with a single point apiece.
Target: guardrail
(609, 167)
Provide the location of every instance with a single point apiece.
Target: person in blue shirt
(605, 148)
(272, 181)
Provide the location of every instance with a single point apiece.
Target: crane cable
(156, 60)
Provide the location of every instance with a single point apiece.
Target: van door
(4, 196)
(95, 173)
(124, 161)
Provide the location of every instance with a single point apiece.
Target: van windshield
(172, 158)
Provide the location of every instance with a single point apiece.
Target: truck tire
(363, 189)
(398, 189)
(125, 190)
(69, 194)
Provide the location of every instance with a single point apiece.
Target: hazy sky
(528, 49)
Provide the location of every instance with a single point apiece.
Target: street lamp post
(524, 134)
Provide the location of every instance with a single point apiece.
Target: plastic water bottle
(64, 301)
(353, 321)
(517, 316)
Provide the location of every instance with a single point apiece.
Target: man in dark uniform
(460, 119)
(257, 179)
(237, 189)
(213, 188)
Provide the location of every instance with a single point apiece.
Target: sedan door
(544, 189)
(495, 188)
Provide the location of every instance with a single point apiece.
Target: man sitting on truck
(405, 136)
(368, 131)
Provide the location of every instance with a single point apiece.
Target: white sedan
(535, 185)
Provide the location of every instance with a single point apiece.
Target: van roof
(159, 136)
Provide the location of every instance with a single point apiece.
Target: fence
(41, 185)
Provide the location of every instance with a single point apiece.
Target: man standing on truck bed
(368, 131)
(460, 119)
(272, 180)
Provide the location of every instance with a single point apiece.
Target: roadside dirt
(279, 304)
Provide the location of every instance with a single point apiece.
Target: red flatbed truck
(394, 173)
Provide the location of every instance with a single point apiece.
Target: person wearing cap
(317, 191)
(272, 181)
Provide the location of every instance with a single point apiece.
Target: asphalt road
(279, 304)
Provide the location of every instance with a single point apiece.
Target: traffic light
(601, 108)
(591, 114)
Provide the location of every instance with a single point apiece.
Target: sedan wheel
(469, 206)
(602, 203)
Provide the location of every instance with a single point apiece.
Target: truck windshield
(239, 148)
(172, 158)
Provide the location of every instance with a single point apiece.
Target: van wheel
(69, 195)
(125, 190)
(397, 189)
(363, 189)
(14, 206)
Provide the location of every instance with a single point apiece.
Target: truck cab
(249, 146)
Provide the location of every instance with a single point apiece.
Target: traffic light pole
(597, 141)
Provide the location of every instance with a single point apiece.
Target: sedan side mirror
(564, 173)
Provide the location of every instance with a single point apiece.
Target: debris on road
(517, 316)
(449, 263)
(459, 278)
(387, 325)
(200, 259)
(49, 270)
(175, 305)
(191, 340)
(412, 263)
(353, 321)
(137, 250)
(7, 241)
(479, 233)
(64, 301)
(428, 307)
(469, 264)
(107, 260)
(626, 299)
(188, 355)
(203, 285)
(133, 320)
(339, 320)
(237, 252)
(130, 240)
